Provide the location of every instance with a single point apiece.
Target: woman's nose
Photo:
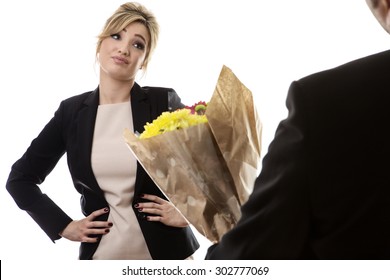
(124, 50)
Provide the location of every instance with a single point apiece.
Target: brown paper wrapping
(236, 127)
(208, 170)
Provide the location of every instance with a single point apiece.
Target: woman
(127, 216)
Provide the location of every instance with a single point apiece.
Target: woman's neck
(111, 92)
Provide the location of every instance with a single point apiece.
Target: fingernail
(106, 209)
(139, 209)
(142, 195)
(110, 224)
(136, 205)
(107, 230)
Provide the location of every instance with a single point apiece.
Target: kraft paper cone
(236, 127)
(208, 170)
(188, 167)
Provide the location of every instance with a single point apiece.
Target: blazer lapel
(85, 123)
(141, 110)
(140, 106)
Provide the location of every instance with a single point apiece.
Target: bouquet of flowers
(179, 119)
(205, 158)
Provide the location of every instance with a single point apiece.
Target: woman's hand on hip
(164, 210)
(82, 230)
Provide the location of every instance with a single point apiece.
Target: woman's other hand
(164, 210)
(82, 230)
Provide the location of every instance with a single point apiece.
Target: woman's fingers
(154, 211)
(153, 198)
(153, 205)
(83, 229)
(97, 213)
(155, 219)
(95, 231)
(99, 224)
(158, 206)
(89, 239)
(91, 223)
(164, 210)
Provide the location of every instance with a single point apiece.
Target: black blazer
(324, 188)
(71, 131)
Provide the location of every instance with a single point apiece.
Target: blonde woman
(126, 215)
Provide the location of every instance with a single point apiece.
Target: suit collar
(137, 95)
(140, 106)
(92, 99)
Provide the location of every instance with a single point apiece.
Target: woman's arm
(31, 170)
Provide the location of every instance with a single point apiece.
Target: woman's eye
(115, 36)
(140, 46)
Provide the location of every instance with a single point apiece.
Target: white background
(47, 53)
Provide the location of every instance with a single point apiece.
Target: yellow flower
(169, 121)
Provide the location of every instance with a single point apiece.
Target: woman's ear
(381, 10)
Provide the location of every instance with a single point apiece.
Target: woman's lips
(120, 60)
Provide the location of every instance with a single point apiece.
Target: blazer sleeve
(174, 101)
(275, 220)
(31, 170)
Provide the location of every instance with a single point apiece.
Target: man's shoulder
(354, 70)
(373, 60)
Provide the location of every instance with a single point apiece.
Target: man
(324, 189)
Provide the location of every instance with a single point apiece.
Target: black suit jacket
(324, 188)
(71, 131)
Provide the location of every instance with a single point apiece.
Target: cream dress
(115, 169)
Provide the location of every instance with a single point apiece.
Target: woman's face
(122, 54)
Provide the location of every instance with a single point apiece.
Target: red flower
(198, 108)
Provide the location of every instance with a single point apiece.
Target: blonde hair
(128, 13)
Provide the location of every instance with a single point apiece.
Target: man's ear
(381, 10)
(387, 20)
